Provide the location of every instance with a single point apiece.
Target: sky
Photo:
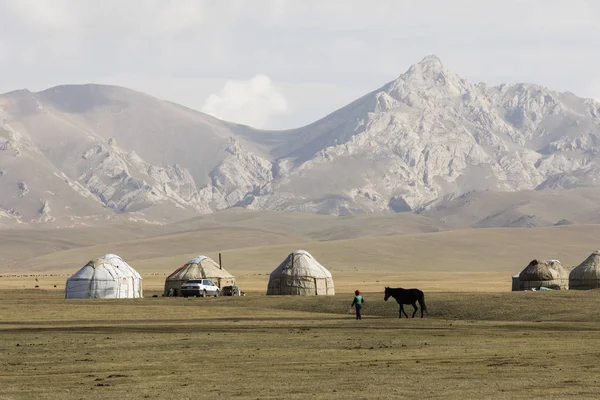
(279, 64)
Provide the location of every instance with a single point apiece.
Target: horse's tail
(422, 302)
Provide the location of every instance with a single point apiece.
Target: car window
(207, 282)
(194, 281)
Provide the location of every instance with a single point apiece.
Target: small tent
(200, 267)
(108, 277)
(550, 274)
(300, 274)
(587, 274)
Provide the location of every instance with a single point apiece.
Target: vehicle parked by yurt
(108, 277)
(543, 274)
(200, 267)
(587, 274)
(300, 274)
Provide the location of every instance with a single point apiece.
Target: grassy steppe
(471, 345)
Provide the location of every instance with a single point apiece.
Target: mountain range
(429, 142)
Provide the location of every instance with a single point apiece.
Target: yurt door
(125, 287)
(130, 287)
(278, 287)
(320, 286)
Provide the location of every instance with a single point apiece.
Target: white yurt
(108, 277)
(300, 274)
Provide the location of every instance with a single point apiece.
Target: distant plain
(364, 251)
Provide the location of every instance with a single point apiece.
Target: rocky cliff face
(421, 140)
(52, 158)
(431, 134)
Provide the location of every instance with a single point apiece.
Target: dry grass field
(471, 345)
(479, 340)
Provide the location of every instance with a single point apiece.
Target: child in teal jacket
(357, 303)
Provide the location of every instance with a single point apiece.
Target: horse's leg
(402, 309)
(422, 304)
(415, 307)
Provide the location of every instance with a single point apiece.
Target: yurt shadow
(108, 277)
(301, 274)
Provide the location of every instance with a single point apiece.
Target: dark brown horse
(406, 296)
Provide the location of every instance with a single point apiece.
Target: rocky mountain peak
(429, 68)
(428, 63)
(428, 78)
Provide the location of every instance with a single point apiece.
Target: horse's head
(387, 293)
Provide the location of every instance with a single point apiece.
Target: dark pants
(358, 309)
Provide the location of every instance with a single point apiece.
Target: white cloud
(41, 15)
(251, 102)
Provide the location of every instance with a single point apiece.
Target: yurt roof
(304, 264)
(539, 270)
(107, 267)
(198, 260)
(589, 268)
(193, 269)
(593, 260)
